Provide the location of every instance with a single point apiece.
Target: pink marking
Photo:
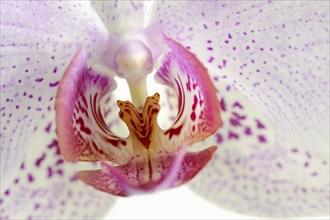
(260, 125)
(195, 103)
(219, 138)
(262, 139)
(84, 129)
(223, 105)
(54, 144)
(174, 131)
(247, 131)
(232, 135)
(30, 178)
(39, 161)
(193, 116)
(54, 84)
(48, 128)
(234, 122)
(59, 162)
(49, 172)
(238, 105)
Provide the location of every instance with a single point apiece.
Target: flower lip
(123, 180)
(150, 158)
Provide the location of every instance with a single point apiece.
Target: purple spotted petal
(256, 172)
(121, 16)
(37, 43)
(45, 187)
(273, 159)
(276, 52)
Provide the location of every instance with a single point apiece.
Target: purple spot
(16, 181)
(59, 162)
(30, 178)
(219, 138)
(224, 62)
(50, 172)
(39, 79)
(73, 178)
(223, 105)
(247, 131)
(55, 70)
(47, 129)
(306, 164)
(36, 206)
(210, 60)
(314, 174)
(261, 139)
(54, 84)
(55, 144)
(59, 172)
(39, 161)
(232, 135)
(240, 117)
(238, 105)
(7, 192)
(294, 150)
(234, 122)
(279, 165)
(260, 125)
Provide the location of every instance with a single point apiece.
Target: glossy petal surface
(45, 187)
(34, 53)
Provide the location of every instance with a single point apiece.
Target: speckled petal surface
(276, 52)
(37, 44)
(255, 171)
(120, 16)
(46, 187)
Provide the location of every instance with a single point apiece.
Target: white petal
(37, 43)
(46, 187)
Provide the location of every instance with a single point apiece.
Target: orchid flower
(251, 78)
